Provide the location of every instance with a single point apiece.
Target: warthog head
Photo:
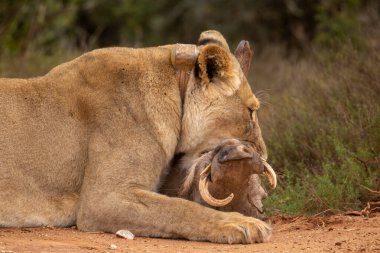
(227, 178)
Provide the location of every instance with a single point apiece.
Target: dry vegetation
(322, 126)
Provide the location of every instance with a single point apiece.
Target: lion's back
(45, 124)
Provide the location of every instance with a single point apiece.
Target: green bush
(338, 23)
(324, 138)
(45, 25)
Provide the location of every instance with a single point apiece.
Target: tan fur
(227, 79)
(216, 36)
(89, 142)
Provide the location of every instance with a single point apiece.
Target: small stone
(125, 234)
(113, 246)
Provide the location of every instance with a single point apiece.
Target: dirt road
(319, 234)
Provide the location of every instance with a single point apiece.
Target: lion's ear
(216, 66)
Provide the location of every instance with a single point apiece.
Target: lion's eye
(254, 116)
(250, 113)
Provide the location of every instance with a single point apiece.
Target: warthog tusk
(203, 190)
(269, 173)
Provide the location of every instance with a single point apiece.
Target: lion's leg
(152, 214)
(35, 208)
(117, 193)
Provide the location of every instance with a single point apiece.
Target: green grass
(323, 130)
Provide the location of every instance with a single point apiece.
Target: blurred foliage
(337, 23)
(324, 132)
(42, 25)
(46, 25)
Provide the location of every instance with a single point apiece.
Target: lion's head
(219, 103)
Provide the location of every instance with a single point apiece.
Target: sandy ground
(338, 233)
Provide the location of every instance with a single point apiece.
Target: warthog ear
(216, 68)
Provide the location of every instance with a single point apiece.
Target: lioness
(89, 142)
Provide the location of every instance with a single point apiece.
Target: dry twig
(370, 190)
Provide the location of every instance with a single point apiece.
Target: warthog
(226, 178)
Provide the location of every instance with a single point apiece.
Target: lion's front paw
(236, 228)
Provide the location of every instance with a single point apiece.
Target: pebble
(113, 246)
(125, 234)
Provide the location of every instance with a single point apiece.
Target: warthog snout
(241, 152)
